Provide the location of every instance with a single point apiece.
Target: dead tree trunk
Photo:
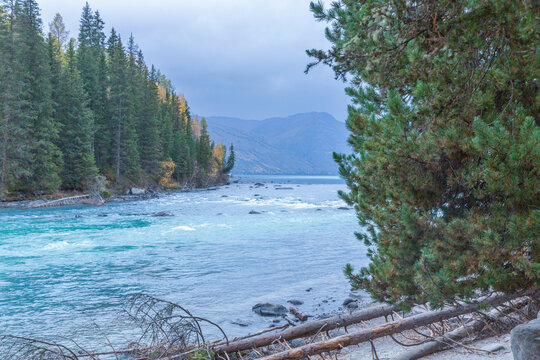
(299, 315)
(442, 342)
(307, 329)
(363, 335)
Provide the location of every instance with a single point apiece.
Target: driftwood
(450, 339)
(306, 329)
(72, 200)
(299, 315)
(390, 328)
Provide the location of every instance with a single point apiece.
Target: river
(65, 270)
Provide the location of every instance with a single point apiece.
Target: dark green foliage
(446, 139)
(121, 106)
(204, 148)
(14, 147)
(92, 64)
(45, 157)
(79, 165)
(148, 112)
(229, 164)
(71, 114)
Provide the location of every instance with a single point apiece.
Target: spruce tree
(77, 119)
(229, 164)
(126, 155)
(445, 131)
(204, 150)
(15, 149)
(31, 54)
(92, 64)
(149, 116)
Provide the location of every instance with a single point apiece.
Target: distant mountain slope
(298, 144)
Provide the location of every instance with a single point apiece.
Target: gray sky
(240, 58)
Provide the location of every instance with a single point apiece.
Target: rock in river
(253, 212)
(162, 214)
(268, 309)
(295, 302)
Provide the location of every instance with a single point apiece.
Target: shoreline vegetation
(77, 198)
(88, 115)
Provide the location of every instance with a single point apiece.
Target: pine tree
(204, 151)
(92, 64)
(149, 132)
(445, 132)
(31, 53)
(15, 148)
(79, 165)
(126, 155)
(229, 164)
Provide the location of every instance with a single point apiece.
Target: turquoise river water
(64, 270)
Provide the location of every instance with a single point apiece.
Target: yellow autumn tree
(167, 171)
(218, 156)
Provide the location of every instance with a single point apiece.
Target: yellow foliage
(167, 170)
(162, 95)
(218, 155)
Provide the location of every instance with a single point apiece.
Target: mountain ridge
(299, 144)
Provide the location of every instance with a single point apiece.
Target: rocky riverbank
(75, 198)
(491, 341)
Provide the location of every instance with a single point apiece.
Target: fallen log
(299, 315)
(310, 328)
(390, 328)
(442, 342)
(72, 200)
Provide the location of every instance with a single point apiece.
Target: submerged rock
(240, 323)
(350, 303)
(268, 309)
(344, 208)
(295, 302)
(253, 212)
(162, 214)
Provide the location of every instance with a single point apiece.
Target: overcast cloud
(241, 58)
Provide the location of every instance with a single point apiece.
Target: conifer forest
(76, 113)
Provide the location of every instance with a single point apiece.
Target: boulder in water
(162, 214)
(253, 212)
(268, 309)
(295, 302)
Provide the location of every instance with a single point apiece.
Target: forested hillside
(297, 144)
(77, 112)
